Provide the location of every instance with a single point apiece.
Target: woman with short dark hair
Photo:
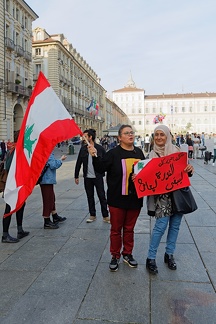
(124, 205)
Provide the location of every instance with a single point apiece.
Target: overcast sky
(168, 45)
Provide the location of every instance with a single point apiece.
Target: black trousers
(89, 184)
(19, 217)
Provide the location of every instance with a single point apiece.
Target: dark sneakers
(9, 239)
(114, 264)
(58, 219)
(51, 225)
(22, 234)
(128, 258)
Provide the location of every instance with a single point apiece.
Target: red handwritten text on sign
(162, 175)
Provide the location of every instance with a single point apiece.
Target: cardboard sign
(162, 175)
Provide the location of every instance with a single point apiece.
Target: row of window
(130, 98)
(176, 122)
(17, 38)
(176, 110)
(87, 87)
(17, 14)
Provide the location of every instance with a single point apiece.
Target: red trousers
(48, 197)
(122, 230)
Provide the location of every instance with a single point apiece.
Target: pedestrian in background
(189, 142)
(92, 178)
(203, 138)
(214, 142)
(3, 150)
(48, 194)
(196, 142)
(182, 140)
(124, 205)
(160, 206)
(147, 143)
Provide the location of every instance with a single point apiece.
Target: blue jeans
(158, 231)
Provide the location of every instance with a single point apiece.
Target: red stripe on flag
(27, 175)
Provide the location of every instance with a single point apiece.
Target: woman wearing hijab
(160, 206)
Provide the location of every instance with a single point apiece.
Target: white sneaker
(91, 219)
(212, 164)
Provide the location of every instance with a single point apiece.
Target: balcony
(78, 111)
(18, 89)
(9, 43)
(19, 50)
(28, 56)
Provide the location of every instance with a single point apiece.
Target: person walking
(48, 194)
(161, 206)
(92, 179)
(6, 237)
(196, 142)
(124, 205)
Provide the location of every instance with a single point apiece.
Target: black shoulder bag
(183, 201)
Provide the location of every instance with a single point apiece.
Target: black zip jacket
(83, 159)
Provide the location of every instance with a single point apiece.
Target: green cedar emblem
(28, 143)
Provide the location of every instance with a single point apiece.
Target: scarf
(168, 148)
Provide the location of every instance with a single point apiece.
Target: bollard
(70, 149)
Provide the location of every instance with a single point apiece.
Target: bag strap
(157, 154)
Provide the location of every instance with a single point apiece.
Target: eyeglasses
(128, 133)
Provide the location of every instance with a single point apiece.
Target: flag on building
(92, 107)
(46, 122)
(97, 108)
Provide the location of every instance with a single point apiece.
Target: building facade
(131, 100)
(114, 115)
(73, 80)
(16, 19)
(189, 112)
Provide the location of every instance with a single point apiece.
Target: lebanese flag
(46, 122)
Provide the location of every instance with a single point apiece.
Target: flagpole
(89, 145)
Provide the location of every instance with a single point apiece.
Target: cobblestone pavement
(61, 276)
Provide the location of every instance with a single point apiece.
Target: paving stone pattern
(62, 276)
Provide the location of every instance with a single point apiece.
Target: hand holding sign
(162, 175)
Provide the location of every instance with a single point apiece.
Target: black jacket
(83, 159)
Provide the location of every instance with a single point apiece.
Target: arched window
(39, 36)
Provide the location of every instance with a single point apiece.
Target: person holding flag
(124, 204)
(46, 122)
(92, 179)
(6, 237)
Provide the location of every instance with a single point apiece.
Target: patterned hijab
(168, 148)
